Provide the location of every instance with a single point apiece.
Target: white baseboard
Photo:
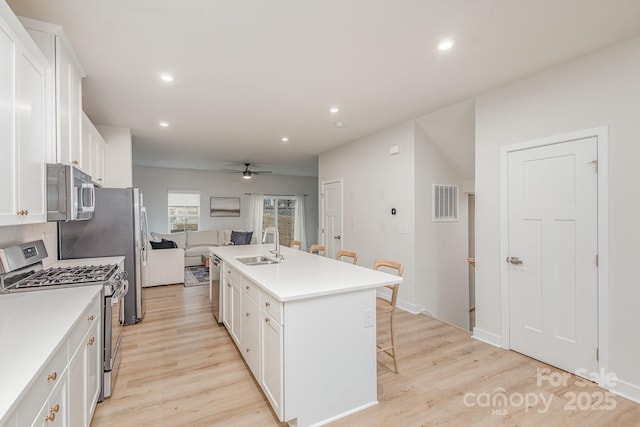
(626, 390)
(487, 337)
(402, 305)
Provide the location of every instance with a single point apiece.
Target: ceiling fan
(246, 173)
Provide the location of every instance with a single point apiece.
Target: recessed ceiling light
(339, 124)
(166, 77)
(334, 110)
(445, 44)
(164, 124)
(285, 139)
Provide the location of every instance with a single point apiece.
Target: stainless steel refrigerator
(118, 227)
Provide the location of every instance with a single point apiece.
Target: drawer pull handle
(50, 417)
(267, 304)
(248, 350)
(55, 409)
(90, 318)
(91, 341)
(228, 285)
(247, 287)
(52, 377)
(247, 314)
(266, 319)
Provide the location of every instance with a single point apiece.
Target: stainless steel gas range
(21, 270)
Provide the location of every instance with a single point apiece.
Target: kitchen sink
(257, 260)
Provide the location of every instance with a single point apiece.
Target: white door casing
(554, 214)
(331, 206)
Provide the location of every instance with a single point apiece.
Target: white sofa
(163, 267)
(196, 243)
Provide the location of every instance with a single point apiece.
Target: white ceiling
(251, 71)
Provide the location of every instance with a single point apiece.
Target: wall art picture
(225, 206)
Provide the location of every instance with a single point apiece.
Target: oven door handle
(115, 298)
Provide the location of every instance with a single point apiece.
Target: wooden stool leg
(393, 340)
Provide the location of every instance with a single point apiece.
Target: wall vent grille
(445, 202)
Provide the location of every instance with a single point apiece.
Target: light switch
(394, 149)
(403, 229)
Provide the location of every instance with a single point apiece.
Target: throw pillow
(164, 244)
(241, 238)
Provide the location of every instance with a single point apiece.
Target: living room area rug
(196, 276)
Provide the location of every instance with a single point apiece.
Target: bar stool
(347, 254)
(320, 249)
(384, 307)
(296, 244)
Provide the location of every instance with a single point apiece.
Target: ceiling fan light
(246, 175)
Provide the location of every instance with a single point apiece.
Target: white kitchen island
(306, 328)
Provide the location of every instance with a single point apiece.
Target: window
(445, 203)
(281, 213)
(184, 211)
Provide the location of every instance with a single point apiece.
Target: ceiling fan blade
(260, 172)
(232, 171)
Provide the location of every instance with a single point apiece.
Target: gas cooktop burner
(68, 276)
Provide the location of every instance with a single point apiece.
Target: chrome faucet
(276, 240)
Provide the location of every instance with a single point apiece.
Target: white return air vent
(445, 202)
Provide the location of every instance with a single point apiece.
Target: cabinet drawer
(232, 274)
(272, 306)
(87, 319)
(46, 380)
(251, 290)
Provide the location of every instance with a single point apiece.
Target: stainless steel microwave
(70, 194)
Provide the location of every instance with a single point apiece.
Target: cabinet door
(98, 159)
(7, 142)
(93, 368)
(272, 372)
(251, 335)
(227, 307)
(31, 140)
(69, 107)
(76, 386)
(87, 146)
(236, 313)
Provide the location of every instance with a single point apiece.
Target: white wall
(373, 183)
(602, 88)
(155, 183)
(442, 286)
(118, 160)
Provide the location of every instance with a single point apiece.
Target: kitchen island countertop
(302, 275)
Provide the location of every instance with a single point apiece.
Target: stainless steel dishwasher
(214, 288)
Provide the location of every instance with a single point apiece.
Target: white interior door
(553, 298)
(332, 217)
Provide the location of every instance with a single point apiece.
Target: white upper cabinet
(64, 93)
(92, 151)
(22, 124)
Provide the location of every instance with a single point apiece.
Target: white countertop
(32, 326)
(302, 275)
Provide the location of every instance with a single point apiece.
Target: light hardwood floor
(179, 368)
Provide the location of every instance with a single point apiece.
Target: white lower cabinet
(251, 334)
(55, 411)
(236, 313)
(66, 388)
(254, 321)
(272, 375)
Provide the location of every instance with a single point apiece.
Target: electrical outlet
(368, 318)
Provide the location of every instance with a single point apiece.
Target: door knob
(337, 237)
(514, 260)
